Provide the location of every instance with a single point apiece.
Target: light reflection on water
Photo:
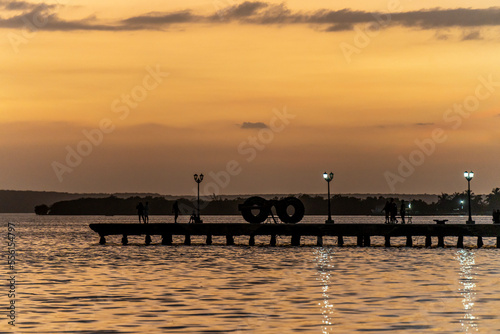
(68, 283)
(467, 280)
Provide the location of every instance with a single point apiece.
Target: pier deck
(363, 232)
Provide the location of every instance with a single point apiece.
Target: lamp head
(325, 175)
(201, 177)
(196, 177)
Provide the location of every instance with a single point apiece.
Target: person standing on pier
(140, 211)
(145, 217)
(402, 211)
(394, 211)
(175, 210)
(387, 210)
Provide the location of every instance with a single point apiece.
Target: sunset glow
(160, 90)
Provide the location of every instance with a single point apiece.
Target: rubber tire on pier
(255, 203)
(298, 207)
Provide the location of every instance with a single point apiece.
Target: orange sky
(360, 97)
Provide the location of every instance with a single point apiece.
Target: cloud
(19, 5)
(262, 13)
(160, 19)
(423, 124)
(256, 125)
(471, 35)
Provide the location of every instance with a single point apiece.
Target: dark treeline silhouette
(314, 205)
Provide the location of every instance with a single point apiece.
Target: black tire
(255, 203)
(299, 210)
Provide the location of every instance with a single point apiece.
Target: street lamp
(468, 176)
(461, 204)
(198, 180)
(328, 178)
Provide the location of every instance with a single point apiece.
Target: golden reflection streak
(467, 272)
(324, 265)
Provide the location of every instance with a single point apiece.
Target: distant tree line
(446, 204)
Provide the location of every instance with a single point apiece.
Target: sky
(392, 96)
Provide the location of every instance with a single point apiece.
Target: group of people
(143, 212)
(391, 211)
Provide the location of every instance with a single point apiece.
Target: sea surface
(67, 283)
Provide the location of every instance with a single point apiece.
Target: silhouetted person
(496, 217)
(387, 210)
(402, 211)
(394, 211)
(145, 216)
(140, 211)
(192, 218)
(175, 210)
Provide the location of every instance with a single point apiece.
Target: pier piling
(387, 241)
(273, 240)
(147, 240)
(360, 241)
(362, 232)
(340, 241)
(428, 241)
(440, 241)
(409, 241)
(295, 240)
(166, 239)
(319, 241)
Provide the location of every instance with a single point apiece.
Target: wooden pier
(363, 232)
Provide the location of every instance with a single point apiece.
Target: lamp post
(462, 204)
(328, 178)
(468, 176)
(198, 180)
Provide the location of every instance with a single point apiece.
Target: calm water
(68, 283)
